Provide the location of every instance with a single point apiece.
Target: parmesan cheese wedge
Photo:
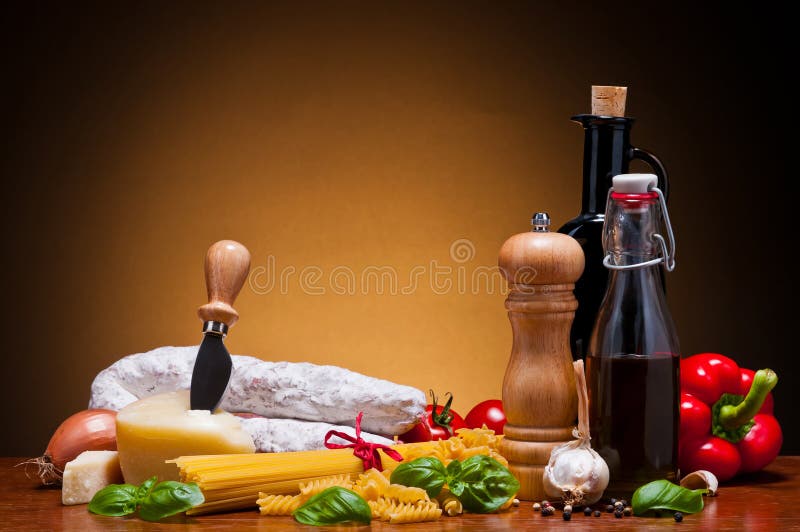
(90, 472)
(161, 427)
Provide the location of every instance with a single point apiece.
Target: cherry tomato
(443, 421)
(747, 381)
(489, 413)
(418, 433)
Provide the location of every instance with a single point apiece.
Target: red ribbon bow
(368, 452)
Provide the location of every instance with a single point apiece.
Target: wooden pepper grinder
(539, 385)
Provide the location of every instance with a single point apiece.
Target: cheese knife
(227, 265)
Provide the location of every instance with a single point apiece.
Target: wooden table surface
(765, 501)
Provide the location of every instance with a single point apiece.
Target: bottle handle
(657, 166)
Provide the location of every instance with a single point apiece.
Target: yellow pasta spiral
(415, 513)
(449, 504)
(374, 475)
(369, 490)
(309, 489)
(406, 494)
(382, 508)
(278, 504)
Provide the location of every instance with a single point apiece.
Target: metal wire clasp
(667, 256)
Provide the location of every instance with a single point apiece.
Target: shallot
(88, 430)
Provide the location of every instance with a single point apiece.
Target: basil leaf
(456, 487)
(664, 495)
(334, 505)
(169, 498)
(114, 500)
(453, 469)
(487, 484)
(454, 484)
(144, 489)
(426, 472)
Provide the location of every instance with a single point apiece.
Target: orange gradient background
(352, 135)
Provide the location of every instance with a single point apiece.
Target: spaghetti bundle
(234, 481)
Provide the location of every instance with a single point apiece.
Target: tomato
(443, 421)
(418, 433)
(489, 413)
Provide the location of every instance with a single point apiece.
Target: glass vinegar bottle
(633, 359)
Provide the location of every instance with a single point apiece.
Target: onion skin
(87, 430)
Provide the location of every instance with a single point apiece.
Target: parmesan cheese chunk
(90, 472)
(161, 427)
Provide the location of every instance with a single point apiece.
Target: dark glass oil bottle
(634, 358)
(606, 152)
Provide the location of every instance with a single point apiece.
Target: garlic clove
(701, 479)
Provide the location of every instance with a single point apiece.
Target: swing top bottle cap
(634, 183)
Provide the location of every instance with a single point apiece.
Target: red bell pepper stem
(733, 416)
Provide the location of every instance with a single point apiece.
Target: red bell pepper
(727, 426)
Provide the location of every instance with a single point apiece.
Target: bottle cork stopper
(608, 100)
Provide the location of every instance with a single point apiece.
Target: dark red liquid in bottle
(634, 424)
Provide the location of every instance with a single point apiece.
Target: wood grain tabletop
(764, 501)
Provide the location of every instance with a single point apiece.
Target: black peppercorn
(567, 516)
(613, 501)
(610, 508)
(587, 511)
(597, 513)
(678, 517)
(618, 514)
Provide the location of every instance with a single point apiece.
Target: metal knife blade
(211, 374)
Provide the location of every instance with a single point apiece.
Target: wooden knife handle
(227, 266)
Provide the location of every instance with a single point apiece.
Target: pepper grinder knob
(540, 222)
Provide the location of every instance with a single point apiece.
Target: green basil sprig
(154, 501)
(334, 505)
(427, 473)
(114, 500)
(664, 495)
(480, 482)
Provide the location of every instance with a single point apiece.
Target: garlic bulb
(575, 472)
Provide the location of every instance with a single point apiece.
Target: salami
(283, 435)
(290, 390)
